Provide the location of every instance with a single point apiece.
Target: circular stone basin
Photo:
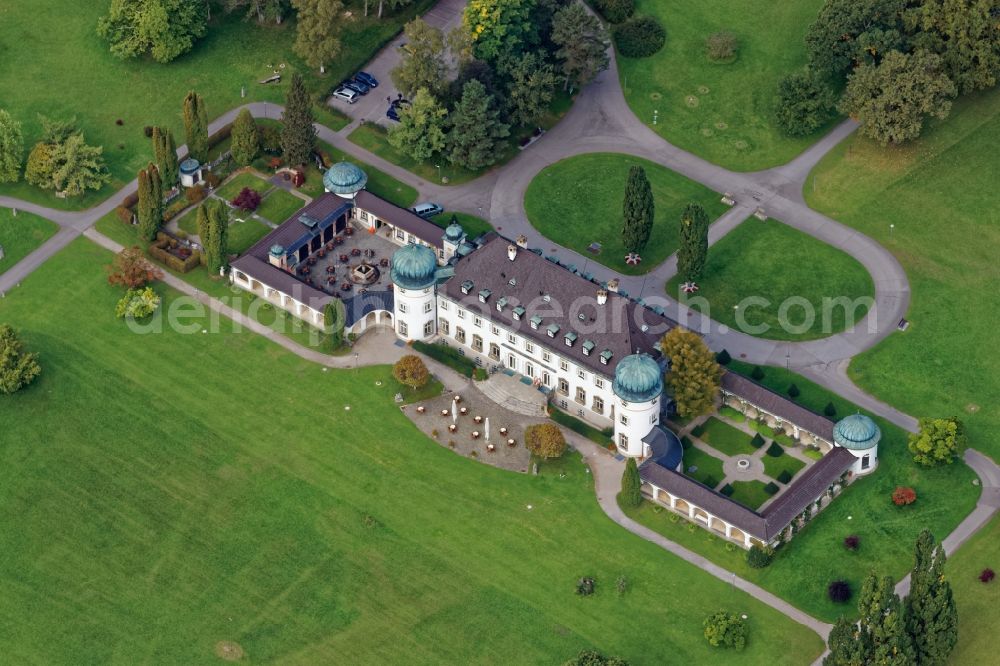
(743, 464)
(364, 273)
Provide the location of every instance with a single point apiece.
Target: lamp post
(891, 228)
(439, 171)
(656, 112)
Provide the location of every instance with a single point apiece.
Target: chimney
(613, 285)
(511, 252)
(522, 241)
(602, 296)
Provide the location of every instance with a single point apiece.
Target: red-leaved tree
(248, 199)
(131, 269)
(903, 495)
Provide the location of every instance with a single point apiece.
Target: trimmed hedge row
(450, 358)
(158, 251)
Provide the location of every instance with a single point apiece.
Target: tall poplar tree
(631, 493)
(638, 210)
(849, 646)
(11, 148)
(930, 615)
(213, 229)
(149, 209)
(693, 251)
(245, 139)
(165, 152)
(298, 136)
(882, 622)
(196, 126)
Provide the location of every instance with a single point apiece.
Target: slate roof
(291, 230)
(285, 282)
(778, 405)
(803, 491)
(403, 218)
(356, 307)
(615, 326)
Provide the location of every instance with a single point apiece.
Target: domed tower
(638, 386)
(860, 436)
(344, 179)
(454, 236)
(413, 269)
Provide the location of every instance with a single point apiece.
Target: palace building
(591, 349)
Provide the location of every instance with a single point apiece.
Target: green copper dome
(638, 378)
(857, 432)
(413, 266)
(454, 232)
(344, 178)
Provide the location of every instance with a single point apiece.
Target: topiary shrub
(839, 591)
(793, 391)
(148, 131)
(852, 542)
(771, 488)
(710, 481)
(785, 476)
(903, 496)
(758, 557)
(723, 358)
(757, 441)
(721, 46)
(986, 575)
(775, 450)
(697, 430)
(727, 490)
(585, 586)
(639, 37)
(830, 410)
(685, 443)
(757, 373)
(615, 11)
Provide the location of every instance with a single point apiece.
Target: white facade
(414, 313)
(866, 460)
(634, 421)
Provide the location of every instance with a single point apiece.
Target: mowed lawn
(279, 205)
(22, 234)
(722, 112)
(578, 201)
(940, 193)
(160, 493)
(976, 601)
(76, 76)
(757, 275)
(802, 570)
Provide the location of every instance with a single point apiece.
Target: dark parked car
(367, 79)
(356, 86)
(392, 114)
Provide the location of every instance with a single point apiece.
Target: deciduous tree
(411, 371)
(694, 375)
(499, 27)
(892, 100)
(260, 10)
(422, 64)
(196, 126)
(165, 154)
(929, 609)
(131, 269)
(965, 33)
(582, 44)
(848, 32)
(298, 134)
(164, 29)
(420, 130)
(477, 132)
(11, 148)
(693, 251)
(317, 36)
(723, 629)
(938, 441)
(17, 367)
(804, 103)
(245, 143)
(638, 210)
(545, 440)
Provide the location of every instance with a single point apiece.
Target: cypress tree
(931, 617)
(693, 251)
(631, 494)
(848, 645)
(245, 140)
(638, 209)
(333, 324)
(196, 126)
(165, 152)
(882, 622)
(213, 228)
(298, 136)
(149, 209)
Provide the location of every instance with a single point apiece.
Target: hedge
(775, 450)
(602, 437)
(158, 251)
(639, 37)
(450, 358)
(785, 476)
(771, 488)
(727, 490)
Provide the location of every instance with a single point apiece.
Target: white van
(427, 209)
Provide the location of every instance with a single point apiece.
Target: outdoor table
(510, 442)
(479, 419)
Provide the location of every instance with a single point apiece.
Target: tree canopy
(245, 143)
(804, 103)
(164, 29)
(693, 251)
(545, 440)
(476, 134)
(938, 441)
(165, 152)
(131, 269)
(422, 62)
(317, 35)
(11, 148)
(411, 371)
(499, 27)
(298, 134)
(929, 608)
(582, 44)
(638, 210)
(694, 375)
(420, 130)
(18, 368)
(196, 126)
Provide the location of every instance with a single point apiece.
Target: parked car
(346, 95)
(356, 86)
(392, 113)
(367, 78)
(427, 209)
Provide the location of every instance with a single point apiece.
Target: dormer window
(570, 338)
(536, 321)
(484, 295)
(606, 356)
(552, 330)
(518, 312)
(467, 286)
(501, 303)
(588, 346)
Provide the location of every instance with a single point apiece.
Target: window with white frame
(546, 356)
(563, 365)
(402, 329)
(624, 420)
(429, 328)
(598, 405)
(428, 306)
(598, 382)
(461, 313)
(444, 304)
(528, 347)
(402, 307)
(622, 441)
(477, 321)
(511, 338)
(443, 326)
(494, 330)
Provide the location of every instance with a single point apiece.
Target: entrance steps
(511, 394)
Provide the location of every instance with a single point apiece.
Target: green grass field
(578, 201)
(724, 438)
(162, 507)
(940, 193)
(707, 467)
(773, 467)
(801, 571)
(473, 226)
(775, 262)
(246, 179)
(22, 234)
(722, 112)
(76, 76)
(976, 601)
(750, 494)
(279, 205)
(241, 234)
